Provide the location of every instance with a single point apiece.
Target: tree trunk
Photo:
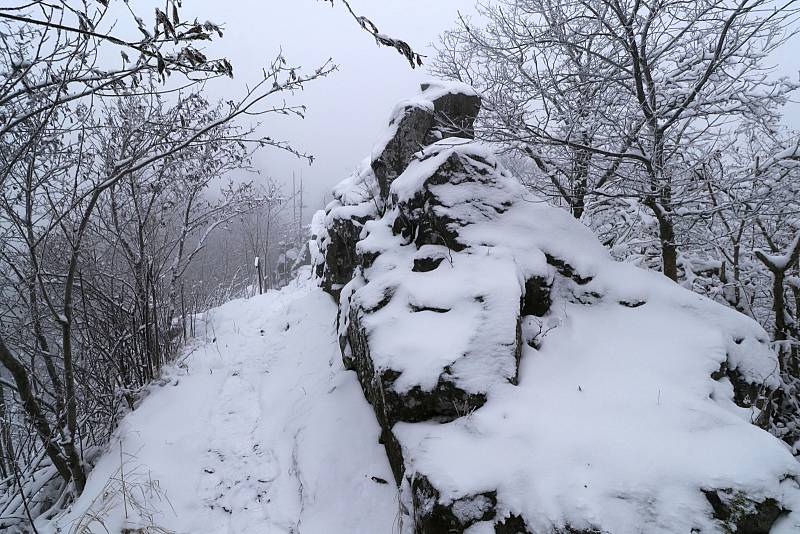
(778, 270)
(669, 252)
(794, 362)
(666, 236)
(34, 411)
(580, 182)
(779, 309)
(71, 452)
(6, 447)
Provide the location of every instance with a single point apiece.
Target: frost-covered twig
(414, 59)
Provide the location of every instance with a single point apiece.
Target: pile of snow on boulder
(524, 381)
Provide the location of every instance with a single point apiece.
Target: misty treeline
(658, 123)
(118, 223)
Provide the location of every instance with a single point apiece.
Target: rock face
(524, 381)
(411, 126)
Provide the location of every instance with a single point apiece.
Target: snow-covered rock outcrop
(523, 380)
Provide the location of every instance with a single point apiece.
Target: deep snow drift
(259, 430)
(524, 381)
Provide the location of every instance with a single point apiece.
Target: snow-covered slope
(259, 430)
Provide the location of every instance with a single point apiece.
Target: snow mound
(523, 380)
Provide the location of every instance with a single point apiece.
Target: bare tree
(81, 141)
(622, 99)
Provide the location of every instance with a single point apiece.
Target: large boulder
(441, 111)
(523, 380)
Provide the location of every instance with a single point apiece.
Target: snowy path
(259, 431)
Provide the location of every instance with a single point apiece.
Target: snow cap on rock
(526, 382)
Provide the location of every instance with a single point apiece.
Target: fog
(347, 110)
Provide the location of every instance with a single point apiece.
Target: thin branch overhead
(405, 49)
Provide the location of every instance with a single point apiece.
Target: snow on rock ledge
(523, 380)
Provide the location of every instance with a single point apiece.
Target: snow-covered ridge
(524, 381)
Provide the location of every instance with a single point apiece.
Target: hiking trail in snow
(257, 429)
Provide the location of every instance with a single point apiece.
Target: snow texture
(610, 398)
(257, 430)
(521, 381)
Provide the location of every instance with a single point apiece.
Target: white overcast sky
(348, 110)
